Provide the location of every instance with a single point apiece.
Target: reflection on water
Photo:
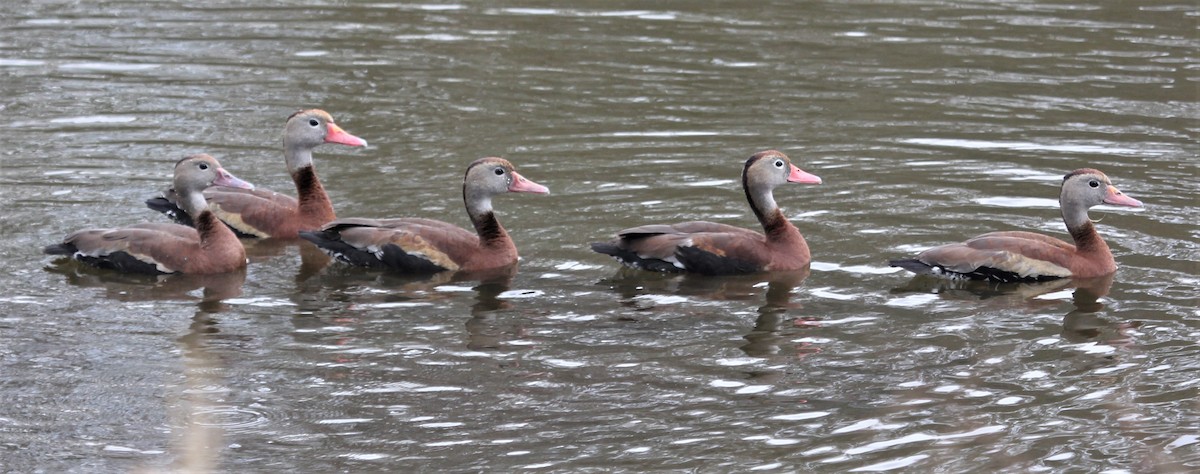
(1087, 322)
(1084, 322)
(312, 259)
(485, 328)
(966, 289)
(209, 290)
(197, 428)
(646, 290)
(928, 122)
(764, 339)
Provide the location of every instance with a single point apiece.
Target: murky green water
(928, 121)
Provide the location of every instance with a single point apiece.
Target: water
(929, 122)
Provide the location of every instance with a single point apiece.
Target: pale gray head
(313, 127)
(773, 168)
(195, 173)
(308, 129)
(766, 170)
(1087, 187)
(491, 176)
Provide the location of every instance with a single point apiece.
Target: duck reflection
(631, 283)
(312, 259)
(341, 287)
(198, 432)
(337, 288)
(209, 290)
(344, 283)
(764, 339)
(958, 289)
(1084, 323)
(1081, 324)
(484, 329)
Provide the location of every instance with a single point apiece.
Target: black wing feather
(631, 258)
(707, 263)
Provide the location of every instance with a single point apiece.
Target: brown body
(210, 247)
(416, 245)
(1026, 256)
(720, 249)
(264, 213)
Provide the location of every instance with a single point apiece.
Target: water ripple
(929, 124)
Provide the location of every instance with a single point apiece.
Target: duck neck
(775, 225)
(192, 202)
(1087, 240)
(491, 233)
(313, 201)
(212, 231)
(1082, 230)
(296, 157)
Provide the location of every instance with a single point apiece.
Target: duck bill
(1115, 197)
(800, 176)
(522, 185)
(229, 180)
(339, 136)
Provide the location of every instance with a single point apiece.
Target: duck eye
(779, 163)
(1093, 183)
(203, 166)
(313, 122)
(499, 171)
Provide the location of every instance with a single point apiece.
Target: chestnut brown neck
(314, 204)
(212, 231)
(491, 233)
(781, 232)
(775, 225)
(1087, 240)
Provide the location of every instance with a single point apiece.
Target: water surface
(929, 122)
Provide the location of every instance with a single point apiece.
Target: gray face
(306, 130)
(1088, 189)
(196, 173)
(490, 178)
(769, 172)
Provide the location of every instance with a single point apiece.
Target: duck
(1021, 256)
(164, 248)
(261, 213)
(711, 248)
(421, 246)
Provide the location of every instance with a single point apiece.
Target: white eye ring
(779, 163)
